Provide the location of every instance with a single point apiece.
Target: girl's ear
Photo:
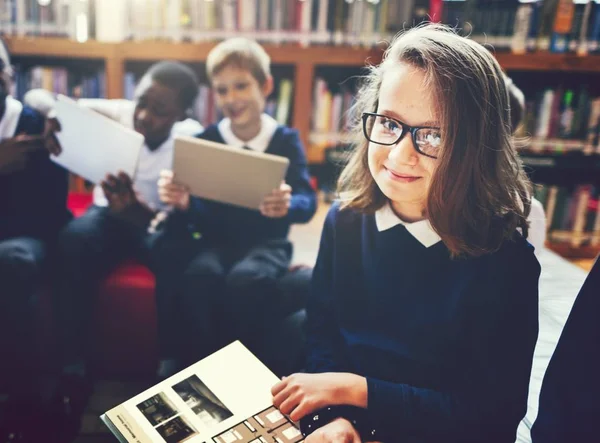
(267, 87)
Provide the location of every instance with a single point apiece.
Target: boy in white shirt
(115, 227)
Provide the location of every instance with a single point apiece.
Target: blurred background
(93, 48)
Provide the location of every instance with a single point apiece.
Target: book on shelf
(223, 398)
(523, 25)
(562, 120)
(331, 112)
(572, 213)
(60, 80)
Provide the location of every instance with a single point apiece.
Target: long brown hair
(479, 194)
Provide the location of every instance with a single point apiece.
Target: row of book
(572, 214)
(331, 112)
(520, 25)
(562, 120)
(59, 80)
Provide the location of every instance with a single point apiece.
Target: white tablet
(94, 145)
(225, 174)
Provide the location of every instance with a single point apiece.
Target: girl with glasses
(423, 315)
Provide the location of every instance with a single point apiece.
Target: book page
(224, 398)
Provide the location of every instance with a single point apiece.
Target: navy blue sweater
(227, 224)
(446, 345)
(568, 406)
(33, 202)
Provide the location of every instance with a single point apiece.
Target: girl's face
(402, 173)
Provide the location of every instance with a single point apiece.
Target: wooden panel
(115, 72)
(284, 54)
(549, 62)
(58, 47)
(303, 94)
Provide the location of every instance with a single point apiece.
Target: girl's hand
(339, 430)
(171, 193)
(277, 203)
(301, 394)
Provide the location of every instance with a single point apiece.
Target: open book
(224, 398)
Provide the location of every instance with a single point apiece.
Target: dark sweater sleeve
(38, 194)
(304, 201)
(490, 400)
(324, 340)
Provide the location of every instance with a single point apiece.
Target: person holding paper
(243, 253)
(33, 209)
(116, 226)
(423, 315)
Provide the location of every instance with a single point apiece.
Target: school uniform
(568, 403)
(446, 345)
(33, 208)
(93, 244)
(232, 281)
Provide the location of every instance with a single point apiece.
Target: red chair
(124, 328)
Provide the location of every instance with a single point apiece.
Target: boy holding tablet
(231, 281)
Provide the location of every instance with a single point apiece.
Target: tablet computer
(222, 173)
(94, 145)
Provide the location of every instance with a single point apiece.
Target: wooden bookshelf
(304, 60)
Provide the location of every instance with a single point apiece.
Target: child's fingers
(125, 179)
(278, 387)
(290, 404)
(166, 174)
(281, 398)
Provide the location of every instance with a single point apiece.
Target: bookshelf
(304, 60)
(306, 63)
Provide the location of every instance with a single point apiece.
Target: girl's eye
(389, 124)
(221, 91)
(241, 86)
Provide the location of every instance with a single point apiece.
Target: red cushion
(124, 342)
(124, 331)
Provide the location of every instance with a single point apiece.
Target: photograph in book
(177, 430)
(158, 409)
(268, 426)
(202, 401)
(225, 397)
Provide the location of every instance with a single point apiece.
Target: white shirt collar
(386, 218)
(259, 143)
(10, 120)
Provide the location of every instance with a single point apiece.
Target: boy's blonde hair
(479, 194)
(241, 53)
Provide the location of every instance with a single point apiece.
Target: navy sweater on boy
(33, 202)
(227, 224)
(446, 345)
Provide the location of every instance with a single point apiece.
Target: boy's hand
(15, 152)
(119, 192)
(301, 394)
(51, 127)
(123, 201)
(277, 203)
(172, 193)
(339, 430)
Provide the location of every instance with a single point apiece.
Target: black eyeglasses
(388, 131)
